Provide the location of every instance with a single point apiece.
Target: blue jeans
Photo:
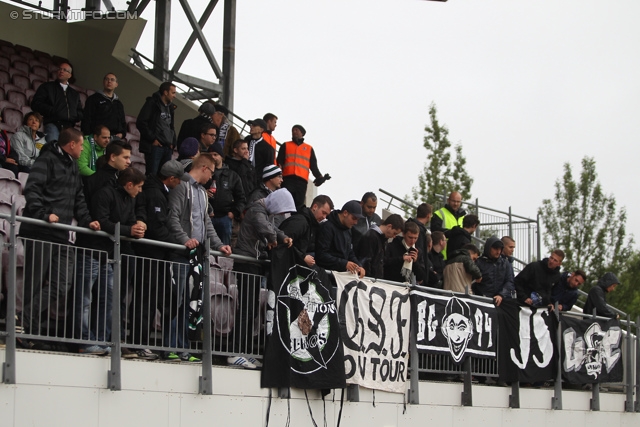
(51, 132)
(89, 272)
(223, 227)
(158, 157)
(176, 335)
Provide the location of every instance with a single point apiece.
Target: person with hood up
(534, 282)
(257, 235)
(105, 108)
(334, 250)
(497, 278)
(157, 132)
(597, 299)
(461, 270)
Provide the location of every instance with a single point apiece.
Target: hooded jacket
(54, 186)
(109, 206)
(99, 109)
(460, 271)
(302, 228)
(536, 277)
(597, 298)
(497, 277)
(393, 262)
(26, 146)
(192, 128)
(421, 244)
(370, 250)
(257, 229)
(152, 207)
(155, 121)
(333, 244)
(229, 196)
(57, 105)
(245, 171)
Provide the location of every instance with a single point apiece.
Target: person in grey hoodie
(597, 299)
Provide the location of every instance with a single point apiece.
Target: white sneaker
(255, 362)
(240, 362)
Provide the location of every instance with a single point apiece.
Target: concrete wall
(69, 390)
(94, 48)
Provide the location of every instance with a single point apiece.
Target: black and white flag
(455, 325)
(303, 335)
(374, 321)
(591, 350)
(527, 343)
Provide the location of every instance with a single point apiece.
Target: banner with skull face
(456, 325)
(303, 335)
(591, 350)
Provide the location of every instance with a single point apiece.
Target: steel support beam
(228, 52)
(162, 34)
(192, 39)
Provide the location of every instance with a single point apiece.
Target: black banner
(591, 350)
(456, 325)
(303, 335)
(527, 343)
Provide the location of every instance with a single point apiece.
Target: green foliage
(442, 174)
(586, 224)
(626, 297)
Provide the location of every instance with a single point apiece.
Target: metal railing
(146, 296)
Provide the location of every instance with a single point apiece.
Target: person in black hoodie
(228, 200)
(192, 128)
(104, 108)
(597, 299)
(496, 276)
(334, 250)
(371, 248)
(117, 157)
(303, 226)
(58, 103)
(401, 258)
(457, 237)
(534, 282)
(157, 132)
(54, 194)
(111, 205)
(240, 164)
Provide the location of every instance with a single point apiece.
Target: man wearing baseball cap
(191, 128)
(297, 158)
(497, 279)
(334, 250)
(261, 154)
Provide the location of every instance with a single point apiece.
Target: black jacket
(260, 192)
(105, 176)
(245, 171)
(536, 277)
(57, 105)
(436, 269)
(333, 244)
(302, 228)
(155, 121)
(370, 251)
(110, 206)
(192, 128)
(393, 262)
(597, 298)
(152, 207)
(421, 244)
(563, 294)
(497, 276)
(264, 155)
(229, 195)
(102, 110)
(54, 186)
(457, 237)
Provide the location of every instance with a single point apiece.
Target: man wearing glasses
(105, 108)
(58, 103)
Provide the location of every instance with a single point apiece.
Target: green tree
(626, 297)
(440, 174)
(586, 224)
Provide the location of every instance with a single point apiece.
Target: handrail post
(539, 232)
(9, 365)
(414, 384)
(628, 406)
(556, 400)
(114, 382)
(467, 397)
(510, 223)
(595, 393)
(206, 380)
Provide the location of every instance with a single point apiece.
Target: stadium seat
(18, 98)
(4, 63)
(29, 93)
(10, 86)
(43, 57)
(6, 173)
(8, 50)
(23, 177)
(4, 77)
(53, 68)
(135, 146)
(14, 71)
(35, 84)
(21, 66)
(27, 55)
(139, 166)
(59, 59)
(90, 92)
(25, 110)
(133, 129)
(2, 94)
(20, 201)
(9, 187)
(78, 88)
(83, 98)
(11, 116)
(129, 119)
(21, 81)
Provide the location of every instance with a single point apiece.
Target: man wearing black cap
(227, 134)
(334, 250)
(297, 158)
(496, 278)
(191, 128)
(261, 154)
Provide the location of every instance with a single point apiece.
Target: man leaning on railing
(53, 193)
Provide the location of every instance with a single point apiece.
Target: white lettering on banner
(432, 322)
(421, 309)
(540, 333)
(375, 335)
(598, 348)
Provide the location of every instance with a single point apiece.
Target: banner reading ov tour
(458, 326)
(591, 350)
(374, 320)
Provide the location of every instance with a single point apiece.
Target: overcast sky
(523, 86)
